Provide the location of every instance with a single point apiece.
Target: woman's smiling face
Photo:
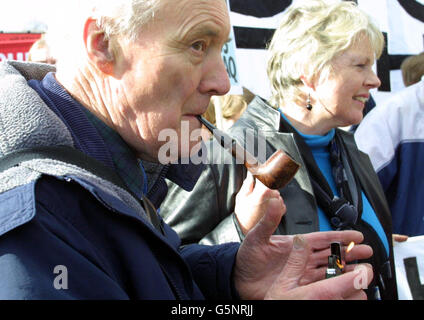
(342, 96)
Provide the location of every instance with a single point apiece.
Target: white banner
(230, 61)
(409, 263)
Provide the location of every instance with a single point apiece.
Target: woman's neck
(306, 121)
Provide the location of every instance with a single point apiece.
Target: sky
(22, 15)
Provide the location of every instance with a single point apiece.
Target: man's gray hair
(124, 17)
(115, 17)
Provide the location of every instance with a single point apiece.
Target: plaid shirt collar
(129, 168)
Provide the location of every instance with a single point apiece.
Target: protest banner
(409, 263)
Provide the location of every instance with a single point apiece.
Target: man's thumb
(269, 222)
(296, 263)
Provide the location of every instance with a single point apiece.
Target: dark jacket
(66, 233)
(206, 214)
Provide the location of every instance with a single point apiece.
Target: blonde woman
(320, 69)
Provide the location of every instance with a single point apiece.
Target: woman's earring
(308, 102)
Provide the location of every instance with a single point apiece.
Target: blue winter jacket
(66, 233)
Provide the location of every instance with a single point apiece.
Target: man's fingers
(359, 252)
(349, 285)
(295, 266)
(362, 276)
(321, 240)
(313, 276)
(354, 281)
(359, 295)
(319, 259)
(248, 184)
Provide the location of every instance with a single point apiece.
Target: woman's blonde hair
(232, 105)
(310, 35)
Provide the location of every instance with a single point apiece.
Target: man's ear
(99, 49)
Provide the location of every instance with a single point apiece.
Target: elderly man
(77, 207)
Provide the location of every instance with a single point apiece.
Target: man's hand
(293, 267)
(252, 201)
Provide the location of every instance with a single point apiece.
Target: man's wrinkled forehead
(205, 17)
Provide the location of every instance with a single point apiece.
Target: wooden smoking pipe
(275, 173)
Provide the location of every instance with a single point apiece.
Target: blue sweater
(320, 148)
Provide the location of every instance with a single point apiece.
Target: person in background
(320, 69)
(393, 136)
(231, 107)
(78, 217)
(412, 69)
(40, 52)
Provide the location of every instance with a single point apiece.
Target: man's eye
(199, 46)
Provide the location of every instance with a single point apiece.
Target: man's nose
(215, 80)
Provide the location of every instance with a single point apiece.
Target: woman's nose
(373, 81)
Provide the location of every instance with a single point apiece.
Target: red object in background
(15, 46)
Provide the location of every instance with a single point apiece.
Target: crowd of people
(84, 185)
